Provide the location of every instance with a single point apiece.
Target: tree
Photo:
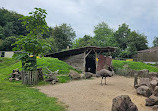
(137, 41)
(11, 24)
(103, 35)
(53, 47)
(64, 36)
(87, 40)
(7, 43)
(1, 43)
(33, 43)
(155, 42)
(8, 29)
(121, 36)
(1, 32)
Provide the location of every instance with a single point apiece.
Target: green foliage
(129, 42)
(133, 65)
(1, 32)
(6, 45)
(63, 36)
(87, 40)
(35, 23)
(155, 42)
(63, 79)
(36, 26)
(121, 36)
(51, 41)
(137, 41)
(10, 24)
(32, 45)
(103, 35)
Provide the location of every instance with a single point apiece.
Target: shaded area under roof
(72, 52)
(149, 50)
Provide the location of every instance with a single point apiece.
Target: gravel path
(89, 95)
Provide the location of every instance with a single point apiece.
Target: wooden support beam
(88, 53)
(84, 62)
(96, 62)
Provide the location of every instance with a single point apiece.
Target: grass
(16, 97)
(134, 65)
(54, 64)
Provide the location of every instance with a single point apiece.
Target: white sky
(83, 15)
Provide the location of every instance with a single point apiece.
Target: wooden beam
(84, 62)
(88, 53)
(96, 62)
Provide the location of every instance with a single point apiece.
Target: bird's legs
(105, 80)
(101, 81)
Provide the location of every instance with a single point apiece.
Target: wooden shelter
(86, 59)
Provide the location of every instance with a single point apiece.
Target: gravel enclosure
(89, 95)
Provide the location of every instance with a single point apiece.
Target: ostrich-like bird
(104, 73)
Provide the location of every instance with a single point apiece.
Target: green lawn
(16, 97)
(133, 65)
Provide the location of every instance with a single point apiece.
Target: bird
(104, 73)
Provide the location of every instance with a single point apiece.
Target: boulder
(88, 75)
(74, 75)
(153, 84)
(144, 81)
(155, 74)
(144, 90)
(123, 103)
(155, 107)
(144, 71)
(151, 101)
(82, 76)
(154, 78)
(155, 93)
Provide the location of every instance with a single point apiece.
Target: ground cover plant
(125, 67)
(15, 96)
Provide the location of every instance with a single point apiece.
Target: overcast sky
(83, 15)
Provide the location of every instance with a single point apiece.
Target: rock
(155, 93)
(74, 75)
(88, 75)
(53, 82)
(153, 84)
(155, 74)
(144, 71)
(123, 103)
(55, 78)
(151, 101)
(155, 108)
(154, 78)
(82, 76)
(144, 90)
(144, 81)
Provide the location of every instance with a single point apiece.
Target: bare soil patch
(89, 95)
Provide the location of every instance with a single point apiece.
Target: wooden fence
(30, 77)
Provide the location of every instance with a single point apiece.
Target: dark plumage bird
(104, 73)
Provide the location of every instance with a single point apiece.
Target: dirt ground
(89, 95)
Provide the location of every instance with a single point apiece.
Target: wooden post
(96, 62)
(84, 62)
